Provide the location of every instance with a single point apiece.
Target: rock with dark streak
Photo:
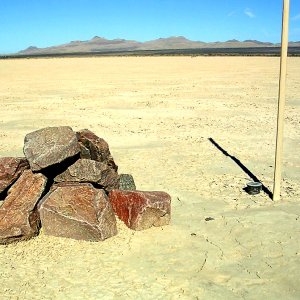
(141, 210)
(78, 211)
(84, 152)
(50, 146)
(19, 217)
(10, 170)
(87, 170)
(95, 148)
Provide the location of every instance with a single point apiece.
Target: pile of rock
(68, 183)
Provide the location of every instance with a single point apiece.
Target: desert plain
(159, 116)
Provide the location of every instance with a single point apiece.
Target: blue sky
(45, 23)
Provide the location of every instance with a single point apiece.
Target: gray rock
(86, 170)
(49, 146)
(78, 211)
(126, 182)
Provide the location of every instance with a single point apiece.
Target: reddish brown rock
(87, 170)
(19, 218)
(50, 146)
(141, 210)
(95, 148)
(78, 211)
(10, 170)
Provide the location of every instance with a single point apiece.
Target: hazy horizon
(166, 37)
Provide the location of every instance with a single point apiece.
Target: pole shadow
(242, 166)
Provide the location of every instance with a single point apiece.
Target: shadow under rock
(52, 171)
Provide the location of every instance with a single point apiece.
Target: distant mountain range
(99, 44)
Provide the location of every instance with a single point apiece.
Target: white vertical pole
(281, 100)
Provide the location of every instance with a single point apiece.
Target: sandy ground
(158, 115)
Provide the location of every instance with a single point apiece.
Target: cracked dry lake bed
(158, 114)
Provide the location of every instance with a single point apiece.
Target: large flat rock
(10, 170)
(50, 146)
(141, 210)
(95, 148)
(87, 170)
(19, 217)
(78, 211)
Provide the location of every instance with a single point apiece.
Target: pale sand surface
(157, 114)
